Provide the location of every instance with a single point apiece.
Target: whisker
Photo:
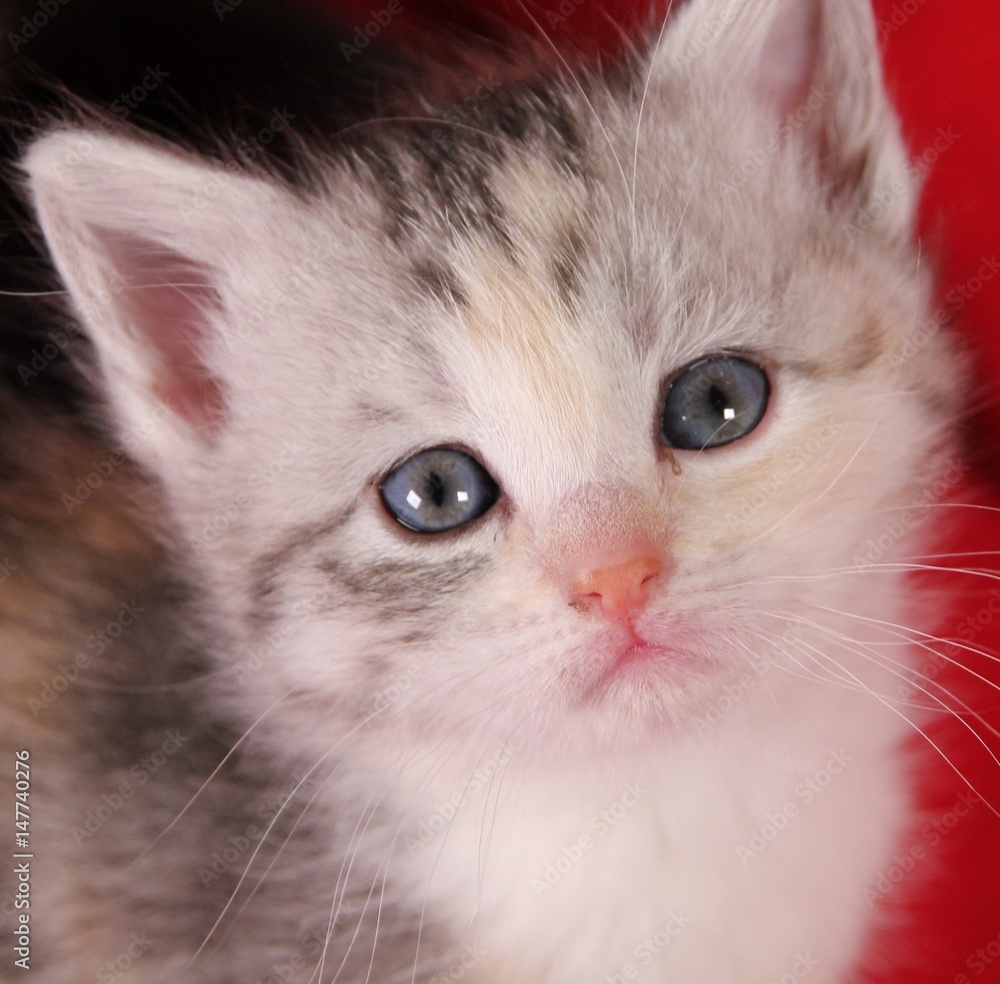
(885, 402)
(921, 506)
(810, 676)
(891, 705)
(232, 751)
(34, 293)
(937, 707)
(440, 754)
(993, 657)
(270, 827)
(887, 567)
(263, 876)
(638, 130)
(586, 98)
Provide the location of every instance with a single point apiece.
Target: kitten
(511, 466)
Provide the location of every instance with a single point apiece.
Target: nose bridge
(600, 525)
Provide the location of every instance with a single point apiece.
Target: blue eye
(437, 490)
(713, 402)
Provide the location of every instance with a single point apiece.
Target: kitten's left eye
(437, 490)
(713, 402)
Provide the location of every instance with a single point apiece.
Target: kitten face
(525, 290)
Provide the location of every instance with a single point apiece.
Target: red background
(943, 71)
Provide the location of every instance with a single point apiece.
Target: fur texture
(466, 778)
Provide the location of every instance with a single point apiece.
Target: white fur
(684, 859)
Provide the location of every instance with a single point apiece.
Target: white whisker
(892, 703)
(232, 751)
(270, 827)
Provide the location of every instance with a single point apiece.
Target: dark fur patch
(278, 557)
(568, 254)
(462, 183)
(399, 206)
(441, 282)
(404, 587)
(562, 131)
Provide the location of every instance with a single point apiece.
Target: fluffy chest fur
(682, 864)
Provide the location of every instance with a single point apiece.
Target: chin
(635, 701)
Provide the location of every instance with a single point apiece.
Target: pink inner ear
(789, 60)
(167, 300)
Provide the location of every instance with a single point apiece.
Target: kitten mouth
(636, 650)
(637, 660)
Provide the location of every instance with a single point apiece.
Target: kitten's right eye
(714, 401)
(438, 490)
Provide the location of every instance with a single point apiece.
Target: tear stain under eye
(674, 465)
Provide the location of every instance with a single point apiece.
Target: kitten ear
(142, 238)
(813, 69)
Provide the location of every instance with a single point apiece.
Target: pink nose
(620, 591)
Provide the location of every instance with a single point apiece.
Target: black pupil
(719, 400)
(435, 488)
